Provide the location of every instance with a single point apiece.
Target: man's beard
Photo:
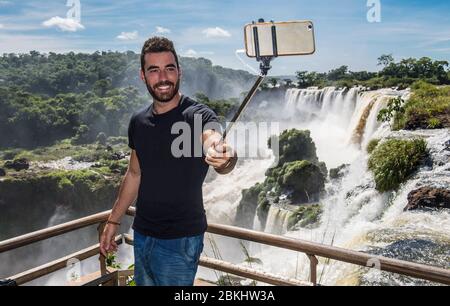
(165, 97)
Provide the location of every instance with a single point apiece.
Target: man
(170, 219)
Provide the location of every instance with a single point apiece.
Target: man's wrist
(229, 165)
(113, 221)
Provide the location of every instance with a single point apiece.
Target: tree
(287, 82)
(102, 86)
(338, 73)
(201, 98)
(385, 60)
(273, 82)
(306, 79)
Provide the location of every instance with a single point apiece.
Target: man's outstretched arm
(127, 195)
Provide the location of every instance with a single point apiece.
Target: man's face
(161, 76)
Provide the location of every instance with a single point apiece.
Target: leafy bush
(303, 178)
(304, 215)
(434, 123)
(394, 110)
(295, 145)
(393, 161)
(372, 145)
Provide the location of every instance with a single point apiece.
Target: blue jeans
(166, 262)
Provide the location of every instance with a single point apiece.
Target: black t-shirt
(170, 200)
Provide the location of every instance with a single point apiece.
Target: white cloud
(1, 26)
(128, 35)
(161, 30)
(64, 24)
(191, 53)
(216, 33)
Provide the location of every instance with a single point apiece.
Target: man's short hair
(157, 44)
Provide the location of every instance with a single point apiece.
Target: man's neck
(164, 107)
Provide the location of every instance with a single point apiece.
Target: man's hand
(107, 240)
(219, 155)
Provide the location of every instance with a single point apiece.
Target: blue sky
(214, 29)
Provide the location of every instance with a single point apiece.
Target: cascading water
(355, 215)
(277, 220)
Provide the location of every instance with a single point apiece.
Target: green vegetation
(428, 108)
(295, 145)
(394, 110)
(304, 216)
(372, 145)
(222, 107)
(401, 74)
(111, 261)
(39, 193)
(88, 153)
(45, 98)
(303, 178)
(253, 199)
(393, 161)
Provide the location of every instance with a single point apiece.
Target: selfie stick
(264, 67)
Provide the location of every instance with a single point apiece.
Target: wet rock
(246, 209)
(427, 197)
(18, 164)
(447, 145)
(2, 172)
(117, 156)
(339, 172)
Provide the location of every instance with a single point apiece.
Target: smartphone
(279, 38)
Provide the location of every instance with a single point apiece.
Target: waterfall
(341, 121)
(277, 220)
(355, 215)
(353, 110)
(358, 217)
(222, 195)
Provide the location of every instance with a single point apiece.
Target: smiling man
(170, 219)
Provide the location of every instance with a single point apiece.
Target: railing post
(121, 279)
(313, 269)
(102, 258)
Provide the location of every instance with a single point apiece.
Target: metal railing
(311, 249)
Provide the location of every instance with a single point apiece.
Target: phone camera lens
(310, 27)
